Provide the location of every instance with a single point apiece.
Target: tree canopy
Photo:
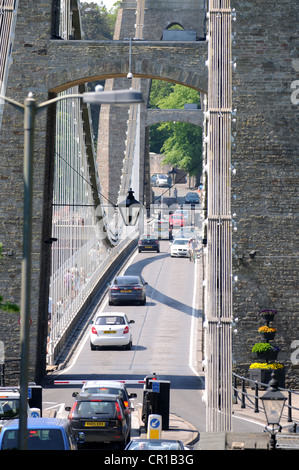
(98, 22)
(179, 142)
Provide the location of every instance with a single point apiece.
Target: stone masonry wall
(265, 187)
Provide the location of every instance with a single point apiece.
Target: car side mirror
(67, 408)
(132, 321)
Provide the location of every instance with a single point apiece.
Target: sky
(108, 3)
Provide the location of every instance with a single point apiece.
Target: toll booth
(156, 395)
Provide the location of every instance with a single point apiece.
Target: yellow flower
(266, 329)
(264, 365)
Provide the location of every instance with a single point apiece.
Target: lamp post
(172, 173)
(273, 402)
(30, 109)
(130, 209)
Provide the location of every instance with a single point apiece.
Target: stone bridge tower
(151, 23)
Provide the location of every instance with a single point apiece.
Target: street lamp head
(116, 97)
(273, 401)
(130, 209)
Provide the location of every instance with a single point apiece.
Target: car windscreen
(38, 439)
(152, 445)
(181, 242)
(9, 408)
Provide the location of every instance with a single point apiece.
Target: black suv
(102, 418)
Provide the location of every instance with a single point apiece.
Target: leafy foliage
(182, 142)
(98, 23)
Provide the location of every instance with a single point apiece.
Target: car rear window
(105, 390)
(38, 439)
(124, 281)
(87, 409)
(110, 320)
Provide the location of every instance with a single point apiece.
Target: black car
(102, 418)
(127, 289)
(148, 243)
(192, 198)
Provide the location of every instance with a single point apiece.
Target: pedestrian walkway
(250, 412)
(288, 435)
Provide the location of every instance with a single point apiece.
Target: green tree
(98, 23)
(182, 144)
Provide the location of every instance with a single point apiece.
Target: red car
(176, 220)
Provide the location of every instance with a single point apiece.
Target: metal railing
(252, 399)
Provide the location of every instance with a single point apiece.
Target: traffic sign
(154, 427)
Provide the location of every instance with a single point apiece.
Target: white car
(111, 329)
(107, 387)
(162, 180)
(180, 247)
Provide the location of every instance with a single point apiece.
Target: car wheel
(110, 302)
(92, 347)
(143, 302)
(129, 346)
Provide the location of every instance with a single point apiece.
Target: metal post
(29, 116)
(289, 407)
(256, 409)
(219, 231)
(243, 394)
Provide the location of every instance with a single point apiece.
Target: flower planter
(268, 317)
(268, 336)
(268, 355)
(264, 376)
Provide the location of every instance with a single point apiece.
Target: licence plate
(95, 423)
(109, 332)
(149, 246)
(125, 291)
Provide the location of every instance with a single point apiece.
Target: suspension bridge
(77, 234)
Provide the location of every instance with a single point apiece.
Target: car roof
(129, 277)
(37, 423)
(104, 383)
(110, 314)
(97, 396)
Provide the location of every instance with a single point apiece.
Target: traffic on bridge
(165, 334)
